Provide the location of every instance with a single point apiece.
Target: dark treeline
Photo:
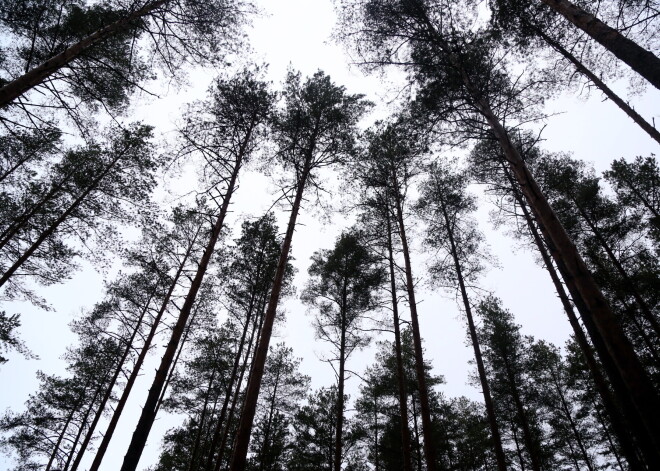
(80, 189)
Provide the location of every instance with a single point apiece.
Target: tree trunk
(524, 422)
(609, 93)
(149, 410)
(429, 446)
(34, 77)
(200, 425)
(230, 387)
(83, 422)
(617, 420)
(639, 59)
(488, 400)
(400, 376)
(138, 364)
(74, 408)
(638, 384)
(567, 413)
(55, 224)
(111, 384)
(643, 306)
(256, 329)
(239, 454)
(340, 390)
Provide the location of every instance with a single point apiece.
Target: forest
(213, 257)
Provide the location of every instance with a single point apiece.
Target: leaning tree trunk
(34, 77)
(256, 329)
(532, 450)
(617, 420)
(609, 93)
(400, 376)
(488, 400)
(631, 370)
(230, 386)
(239, 454)
(149, 410)
(639, 59)
(56, 224)
(111, 383)
(429, 446)
(140, 360)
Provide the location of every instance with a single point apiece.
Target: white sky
(296, 33)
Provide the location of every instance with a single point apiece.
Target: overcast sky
(295, 33)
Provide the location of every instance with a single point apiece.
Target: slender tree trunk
(601, 420)
(82, 425)
(376, 454)
(149, 410)
(172, 370)
(639, 59)
(488, 400)
(609, 93)
(643, 306)
(55, 224)
(400, 376)
(34, 77)
(418, 442)
(340, 389)
(111, 384)
(518, 449)
(73, 410)
(524, 422)
(567, 413)
(266, 445)
(617, 420)
(239, 454)
(230, 386)
(16, 226)
(636, 380)
(202, 418)
(256, 330)
(140, 360)
(429, 446)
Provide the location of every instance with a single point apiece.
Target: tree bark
(149, 410)
(429, 446)
(400, 376)
(488, 400)
(239, 454)
(639, 59)
(140, 360)
(230, 387)
(34, 77)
